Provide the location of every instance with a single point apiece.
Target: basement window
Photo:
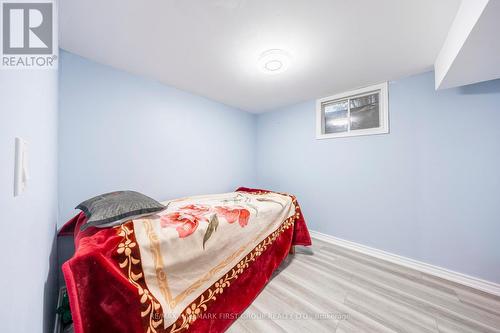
(359, 112)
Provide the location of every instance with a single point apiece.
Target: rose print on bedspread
(186, 219)
(233, 214)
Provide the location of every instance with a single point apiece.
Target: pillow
(114, 208)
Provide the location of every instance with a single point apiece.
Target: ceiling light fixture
(274, 61)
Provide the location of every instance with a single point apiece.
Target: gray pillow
(117, 207)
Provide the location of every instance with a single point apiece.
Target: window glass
(336, 116)
(365, 112)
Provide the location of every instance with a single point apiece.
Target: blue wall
(120, 131)
(28, 109)
(429, 190)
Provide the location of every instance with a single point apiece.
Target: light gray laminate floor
(331, 289)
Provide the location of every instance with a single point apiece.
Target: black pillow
(114, 208)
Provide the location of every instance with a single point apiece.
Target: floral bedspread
(202, 256)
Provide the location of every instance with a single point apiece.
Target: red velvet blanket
(104, 297)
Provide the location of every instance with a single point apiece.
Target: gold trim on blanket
(128, 249)
(152, 311)
(162, 276)
(196, 308)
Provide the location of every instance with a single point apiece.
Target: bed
(194, 267)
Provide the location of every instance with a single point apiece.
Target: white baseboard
(466, 280)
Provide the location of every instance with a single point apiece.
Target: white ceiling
(211, 47)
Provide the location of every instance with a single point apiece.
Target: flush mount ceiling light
(274, 61)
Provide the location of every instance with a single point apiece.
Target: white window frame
(381, 88)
